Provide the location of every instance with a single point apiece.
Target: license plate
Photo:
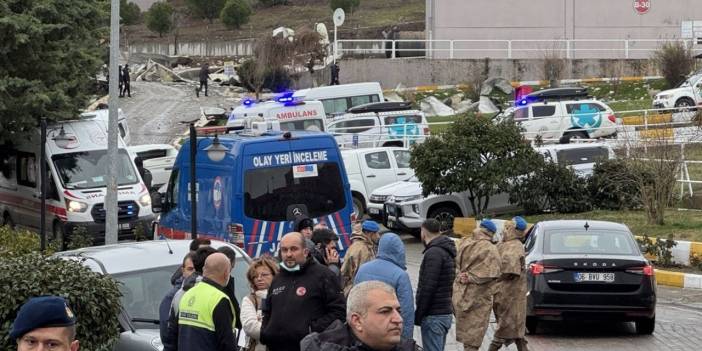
(374, 210)
(594, 277)
(124, 226)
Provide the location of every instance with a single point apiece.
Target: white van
(339, 98)
(104, 117)
(158, 159)
(76, 155)
(292, 115)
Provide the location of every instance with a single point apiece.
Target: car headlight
(76, 206)
(378, 198)
(145, 200)
(415, 208)
(664, 96)
(408, 198)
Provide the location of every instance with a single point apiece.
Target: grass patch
(682, 225)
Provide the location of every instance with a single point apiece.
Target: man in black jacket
(436, 274)
(304, 297)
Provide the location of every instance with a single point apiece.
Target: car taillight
(612, 118)
(645, 270)
(538, 268)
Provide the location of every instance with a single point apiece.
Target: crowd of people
(306, 299)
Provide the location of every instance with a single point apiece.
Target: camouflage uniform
(362, 250)
(510, 293)
(479, 260)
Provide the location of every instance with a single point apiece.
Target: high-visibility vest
(198, 304)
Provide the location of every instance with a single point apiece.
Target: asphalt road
(678, 326)
(154, 113)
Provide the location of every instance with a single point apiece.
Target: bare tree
(553, 67)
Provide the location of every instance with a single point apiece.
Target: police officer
(206, 317)
(45, 323)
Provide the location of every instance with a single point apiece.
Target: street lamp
(216, 151)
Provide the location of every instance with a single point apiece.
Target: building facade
(573, 28)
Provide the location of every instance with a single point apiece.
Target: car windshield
(88, 169)
(589, 242)
(582, 156)
(142, 291)
(271, 192)
(688, 82)
(310, 125)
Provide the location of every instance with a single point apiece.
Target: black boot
(521, 345)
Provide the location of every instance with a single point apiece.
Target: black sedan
(588, 270)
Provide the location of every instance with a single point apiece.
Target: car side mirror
(156, 202)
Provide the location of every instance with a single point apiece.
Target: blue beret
(519, 223)
(489, 225)
(42, 312)
(370, 226)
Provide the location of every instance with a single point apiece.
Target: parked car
(402, 206)
(144, 270)
(687, 94)
(158, 159)
(563, 112)
(380, 124)
(588, 270)
(369, 169)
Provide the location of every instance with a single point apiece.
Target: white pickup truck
(687, 94)
(407, 208)
(372, 168)
(158, 159)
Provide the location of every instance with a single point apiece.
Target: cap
(42, 312)
(489, 225)
(304, 223)
(519, 223)
(370, 226)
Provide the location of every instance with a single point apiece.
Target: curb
(678, 279)
(426, 88)
(682, 250)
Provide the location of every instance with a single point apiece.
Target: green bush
(552, 187)
(129, 12)
(611, 186)
(235, 13)
(18, 242)
(661, 249)
(94, 298)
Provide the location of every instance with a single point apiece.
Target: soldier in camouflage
(477, 268)
(510, 294)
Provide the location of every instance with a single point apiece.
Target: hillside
(367, 22)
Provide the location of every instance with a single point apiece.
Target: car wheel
(7, 221)
(358, 208)
(684, 102)
(576, 135)
(531, 324)
(645, 326)
(445, 216)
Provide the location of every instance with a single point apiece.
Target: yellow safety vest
(198, 304)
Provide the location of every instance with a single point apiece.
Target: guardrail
(509, 49)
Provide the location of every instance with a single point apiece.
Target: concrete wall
(415, 72)
(242, 47)
(558, 19)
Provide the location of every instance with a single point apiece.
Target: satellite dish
(339, 17)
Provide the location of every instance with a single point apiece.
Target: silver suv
(144, 270)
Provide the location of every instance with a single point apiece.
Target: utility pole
(111, 224)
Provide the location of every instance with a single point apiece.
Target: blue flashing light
(285, 97)
(247, 102)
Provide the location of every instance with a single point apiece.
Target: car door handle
(402, 173)
(370, 176)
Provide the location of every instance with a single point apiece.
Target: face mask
(289, 269)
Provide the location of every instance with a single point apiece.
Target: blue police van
(263, 183)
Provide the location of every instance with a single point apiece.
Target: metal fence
(508, 49)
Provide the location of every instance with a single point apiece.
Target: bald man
(304, 297)
(206, 314)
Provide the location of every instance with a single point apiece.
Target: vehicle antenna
(170, 251)
(587, 226)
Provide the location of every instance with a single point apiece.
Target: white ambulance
(293, 115)
(77, 163)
